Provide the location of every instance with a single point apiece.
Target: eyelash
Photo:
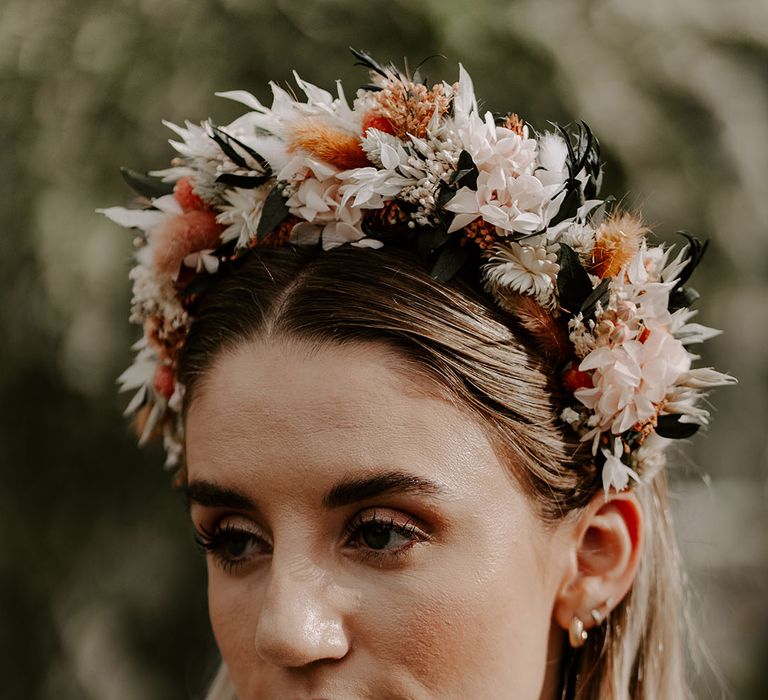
(216, 542)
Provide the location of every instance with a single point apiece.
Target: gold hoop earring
(577, 635)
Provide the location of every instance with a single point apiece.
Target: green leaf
(225, 142)
(246, 182)
(449, 262)
(599, 294)
(573, 284)
(444, 195)
(682, 298)
(274, 213)
(671, 427)
(428, 240)
(696, 250)
(466, 172)
(146, 185)
(367, 61)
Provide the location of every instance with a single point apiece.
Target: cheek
(470, 632)
(233, 611)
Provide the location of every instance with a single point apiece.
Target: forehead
(283, 410)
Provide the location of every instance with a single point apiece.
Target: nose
(300, 620)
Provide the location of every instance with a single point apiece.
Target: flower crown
(412, 165)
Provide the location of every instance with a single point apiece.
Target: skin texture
(456, 590)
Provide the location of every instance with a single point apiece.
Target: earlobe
(607, 541)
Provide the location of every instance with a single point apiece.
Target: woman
(418, 378)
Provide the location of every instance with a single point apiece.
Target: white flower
(164, 208)
(508, 194)
(616, 474)
(704, 378)
(580, 237)
(525, 269)
(515, 204)
(325, 215)
(202, 260)
(380, 147)
(286, 111)
(242, 213)
(690, 333)
(552, 158)
(568, 415)
(630, 380)
(580, 334)
(497, 148)
(155, 296)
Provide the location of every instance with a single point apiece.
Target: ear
(603, 557)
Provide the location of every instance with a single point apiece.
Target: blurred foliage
(101, 591)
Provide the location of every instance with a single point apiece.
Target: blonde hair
(482, 361)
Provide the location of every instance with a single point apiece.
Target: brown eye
(383, 537)
(235, 544)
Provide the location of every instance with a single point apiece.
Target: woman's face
(364, 539)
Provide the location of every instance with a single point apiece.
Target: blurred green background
(102, 591)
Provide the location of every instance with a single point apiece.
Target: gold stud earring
(577, 635)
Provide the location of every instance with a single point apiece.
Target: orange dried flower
(166, 339)
(481, 233)
(514, 123)
(409, 106)
(372, 120)
(329, 144)
(617, 240)
(279, 235)
(184, 234)
(390, 218)
(185, 195)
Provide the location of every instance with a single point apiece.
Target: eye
(375, 534)
(382, 536)
(232, 545)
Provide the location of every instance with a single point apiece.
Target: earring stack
(577, 635)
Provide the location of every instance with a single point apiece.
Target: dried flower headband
(419, 166)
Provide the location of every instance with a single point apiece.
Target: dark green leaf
(583, 154)
(449, 262)
(146, 185)
(226, 142)
(364, 59)
(444, 195)
(573, 283)
(682, 298)
(671, 427)
(429, 240)
(696, 250)
(570, 204)
(274, 213)
(246, 182)
(599, 294)
(466, 172)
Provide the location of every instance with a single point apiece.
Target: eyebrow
(212, 495)
(347, 491)
(352, 490)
